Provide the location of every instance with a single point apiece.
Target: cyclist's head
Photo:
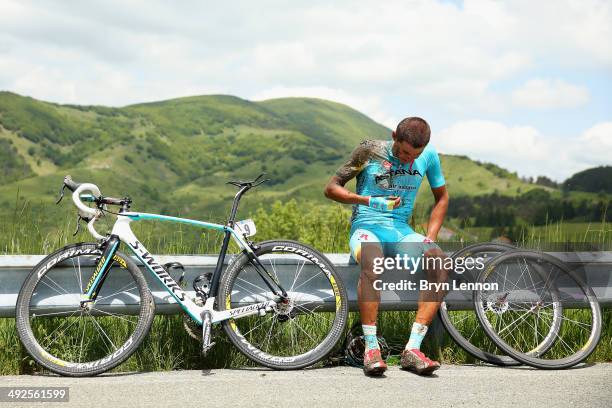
(410, 138)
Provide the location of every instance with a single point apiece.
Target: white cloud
(594, 146)
(433, 51)
(520, 148)
(527, 150)
(549, 94)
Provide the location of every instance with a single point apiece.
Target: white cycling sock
(417, 334)
(369, 335)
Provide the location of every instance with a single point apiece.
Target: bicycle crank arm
(207, 342)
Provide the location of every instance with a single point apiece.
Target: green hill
(593, 180)
(175, 156)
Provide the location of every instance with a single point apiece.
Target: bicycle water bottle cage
(201, 285)
(176, 265)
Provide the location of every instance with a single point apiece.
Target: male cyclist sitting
(389, 174)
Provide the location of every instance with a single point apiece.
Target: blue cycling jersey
(379, 173)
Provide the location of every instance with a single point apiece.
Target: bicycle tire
(309, 351)
(531, 359)
(58, 358)
(448, 323)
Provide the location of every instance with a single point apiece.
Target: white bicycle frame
(123, 231)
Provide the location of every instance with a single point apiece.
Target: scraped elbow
(327, 191)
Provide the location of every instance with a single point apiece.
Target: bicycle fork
(90, 293)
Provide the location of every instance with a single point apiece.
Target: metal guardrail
(595, 267)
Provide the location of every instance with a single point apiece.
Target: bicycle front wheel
(73, 338)
(295, 334)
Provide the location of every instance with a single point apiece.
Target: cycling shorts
(388, 236)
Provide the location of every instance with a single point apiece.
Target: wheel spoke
(102, 331)
(120, 316)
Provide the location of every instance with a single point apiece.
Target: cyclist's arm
(438, 188)
(336, 191)
(438, 212)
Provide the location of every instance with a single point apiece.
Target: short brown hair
(413, 130)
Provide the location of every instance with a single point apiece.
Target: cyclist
(389, 174)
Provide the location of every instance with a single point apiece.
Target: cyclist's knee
(436, 267)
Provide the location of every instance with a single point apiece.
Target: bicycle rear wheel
(536, 291)
(75, 339)
(298, 333)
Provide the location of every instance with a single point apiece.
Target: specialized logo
(245, 309)
(159, 270)
(95, 274)
(120, 261)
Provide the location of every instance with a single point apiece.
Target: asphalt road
(453, 386)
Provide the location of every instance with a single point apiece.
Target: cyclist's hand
(387, 203)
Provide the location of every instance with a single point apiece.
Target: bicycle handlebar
(68, 182)
(89, 214)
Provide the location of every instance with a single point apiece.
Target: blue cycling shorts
(387, 236)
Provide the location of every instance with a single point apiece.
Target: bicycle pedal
(207, 348)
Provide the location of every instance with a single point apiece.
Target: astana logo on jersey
(390, 178)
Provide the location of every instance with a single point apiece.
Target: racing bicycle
(85, 308)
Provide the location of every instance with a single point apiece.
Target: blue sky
(526, 85)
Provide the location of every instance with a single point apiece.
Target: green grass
(597, 233)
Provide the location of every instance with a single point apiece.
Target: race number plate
(247, 227)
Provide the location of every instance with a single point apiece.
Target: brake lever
(61, 194)
(78, 225)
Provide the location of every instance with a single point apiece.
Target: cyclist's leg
(365, 248)
(432, 264)
(429, 300)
